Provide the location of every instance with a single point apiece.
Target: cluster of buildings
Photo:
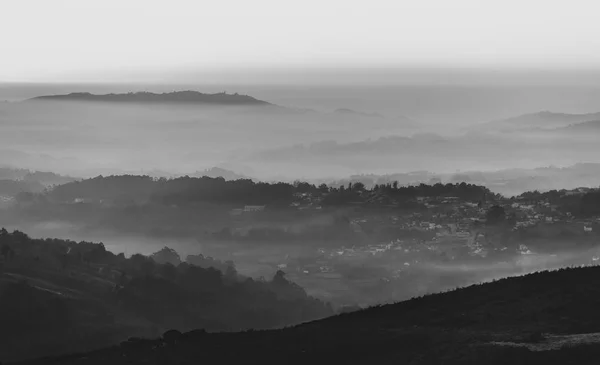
(450, 229)
(246, 210)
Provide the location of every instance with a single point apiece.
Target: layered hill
(177, 97)
(346, 111)
(541, 318)
(545, 119)
(583, 127)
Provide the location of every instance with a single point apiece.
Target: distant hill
(13, 187)
(219, 172)
(545, 318)
(543, 119)
(346, 111)
(177, 97)
(508, 182)
(34, 177)
(589, 126)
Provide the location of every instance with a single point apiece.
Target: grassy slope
(453, 328)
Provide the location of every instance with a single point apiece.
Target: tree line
(583, 205)
(189, 190)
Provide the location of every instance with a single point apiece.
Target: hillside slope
(516, 320)
(59, 296)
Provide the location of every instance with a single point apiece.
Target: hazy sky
(94, 40)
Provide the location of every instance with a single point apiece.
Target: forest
(189, 190)
(59, 296)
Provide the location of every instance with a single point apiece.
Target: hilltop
(176, 97)
(518, 320)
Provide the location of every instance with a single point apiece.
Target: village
(349, 244)
(397, 244)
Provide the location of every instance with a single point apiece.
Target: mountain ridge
(583, 126)
(544, 119)
(346, 111)
(176, 97)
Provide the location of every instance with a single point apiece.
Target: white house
(254, 208)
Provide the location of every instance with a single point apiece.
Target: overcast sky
(94, 40)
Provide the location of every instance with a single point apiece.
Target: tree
(358, 186)
(279, 278)
(136, 260)
(171, 337)
(166, 255)
(495, 215)
(7, 252)
(168, 271)
(148, 267)
(95, 254)
(230, 270)
(590, 204)
(511, 219)
(323, 188)
(230, 274)
(64, 261)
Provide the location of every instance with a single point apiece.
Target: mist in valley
(354, 273)
(318, 182)
(311, 132)
(318, 134)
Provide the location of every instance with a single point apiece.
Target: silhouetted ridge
(183, 97)
(464, 326)
(529, 301)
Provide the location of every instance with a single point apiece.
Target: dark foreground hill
(58, 297)
(179, 97)
(542, 318)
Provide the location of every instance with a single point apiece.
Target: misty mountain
(589, 126)
(543, 119)
(88, 138)
(11, 188)
(11, 173)
(176, 97)
(215, 172)
(346, 111)
(574, 129)
(472, 151)
(212, 172)
(508, 182)
(518, 320)
(33, 178)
